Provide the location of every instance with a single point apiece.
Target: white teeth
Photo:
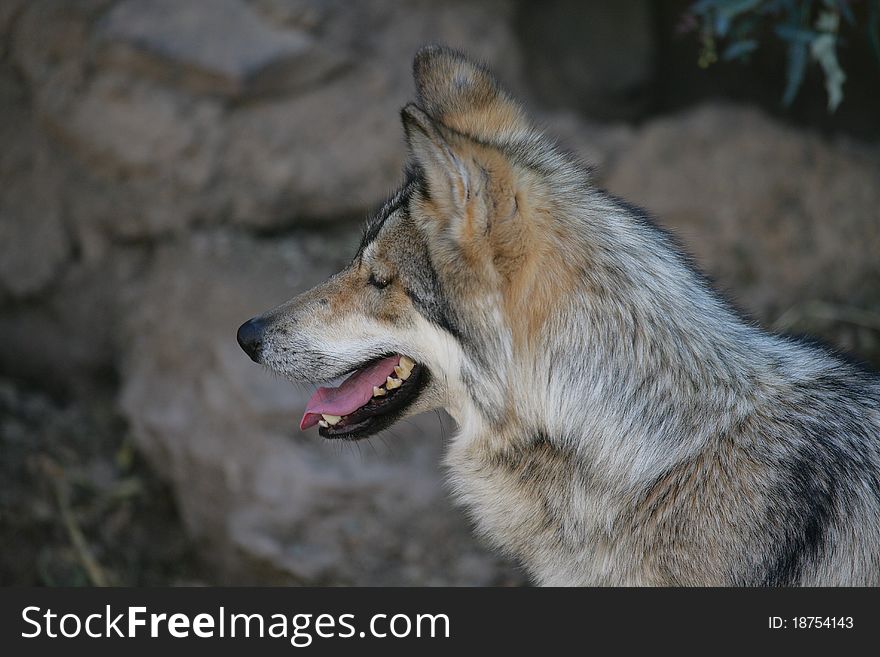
(379, 392)
(406, 363)
(321, 423)
(391, 383)
(332, 420)
(401, 373)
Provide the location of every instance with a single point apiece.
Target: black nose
(250, 337)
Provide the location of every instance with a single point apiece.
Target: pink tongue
(351, 394)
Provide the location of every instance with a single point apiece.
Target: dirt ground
(79, 506)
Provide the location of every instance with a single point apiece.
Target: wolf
(618, 422)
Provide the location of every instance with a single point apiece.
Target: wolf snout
(250, 337)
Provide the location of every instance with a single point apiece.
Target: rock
(315, 157)
(149, 156)
(49, 47)
(778, 216)
(34, 245)
(273, 503)
(66, 339)
(327, 152)
(264, 115)
(138, 128)
(227, 50)
(8, 12)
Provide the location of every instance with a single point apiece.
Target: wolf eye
(378, 282)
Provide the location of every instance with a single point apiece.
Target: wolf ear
(464, 96)
(432, 148)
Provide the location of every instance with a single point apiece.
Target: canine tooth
(406, 363)
(401, 373)
(332, 419)
(391, 383)
(322, 423)
(379, 392)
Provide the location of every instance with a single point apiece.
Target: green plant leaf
(795, 34)
(734, 28)
(824, 50)
(703, 6)
(734, 8)
(797, 66)
(739, 49)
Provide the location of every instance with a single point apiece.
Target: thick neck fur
(643, 356)
(640, 359)
(638, 398)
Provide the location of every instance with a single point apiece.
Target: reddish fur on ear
(464, 96)
(459, 135)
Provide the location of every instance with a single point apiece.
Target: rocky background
(169, 168)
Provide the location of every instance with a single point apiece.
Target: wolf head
(456, 276)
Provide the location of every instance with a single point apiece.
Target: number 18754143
(810, 622)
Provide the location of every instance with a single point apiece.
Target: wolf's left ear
(434, 149)
(461, 94)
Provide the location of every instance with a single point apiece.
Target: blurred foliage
(811, 30)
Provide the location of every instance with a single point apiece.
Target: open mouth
(369, 400)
